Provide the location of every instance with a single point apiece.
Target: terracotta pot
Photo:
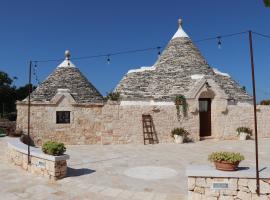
(225, 166)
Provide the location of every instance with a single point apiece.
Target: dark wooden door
(205, 116)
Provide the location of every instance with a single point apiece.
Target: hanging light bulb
(159, 53)
(108, 59)
(219, 42)
(35, 73)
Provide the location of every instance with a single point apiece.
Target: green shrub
(179, 131)
(265, 102)
(229, 157)
(113, 96)
(2, 133)
(244, 130)
(53, 148)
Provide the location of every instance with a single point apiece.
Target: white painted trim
(146, 103)
(16, 144)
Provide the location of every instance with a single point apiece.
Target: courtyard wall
(84, 128)
(118, 123)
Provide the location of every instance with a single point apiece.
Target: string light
(159, 53)
(219, 41)
(35, 73)
(154, 48)
(109, 59)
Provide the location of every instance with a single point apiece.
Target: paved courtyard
(151, 172)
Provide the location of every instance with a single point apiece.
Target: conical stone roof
(67, 76)
(174, 73)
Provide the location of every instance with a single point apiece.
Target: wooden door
(205, 117)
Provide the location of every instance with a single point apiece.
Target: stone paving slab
(97, 172)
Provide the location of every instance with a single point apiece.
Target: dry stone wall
(52, 169)
(199, 188)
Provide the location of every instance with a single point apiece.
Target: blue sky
(37, 30)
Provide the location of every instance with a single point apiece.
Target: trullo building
(66, 107)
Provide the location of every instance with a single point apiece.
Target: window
(62, 117)
(203, 105)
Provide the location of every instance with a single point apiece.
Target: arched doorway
(205, 100)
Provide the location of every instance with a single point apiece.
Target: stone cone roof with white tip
(67, 76)
(172, 74)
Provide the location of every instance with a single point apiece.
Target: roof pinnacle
(180, 22)
(67, 54)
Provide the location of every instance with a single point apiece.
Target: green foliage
(180, 100)
(2, 133)
(265, 102)
(267, 3)
(113, 96)
(229, 157)
(5, 80)
(179, 131)
(53, 148)
(244, 130)
(9, 95)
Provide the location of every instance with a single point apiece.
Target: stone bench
(52, 167)
(205, 182)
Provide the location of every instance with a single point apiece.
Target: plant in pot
(53, 148)
(244, 133)
(226, 161)
(179, 135)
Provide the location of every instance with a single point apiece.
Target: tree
(7, 94)
(267, 3)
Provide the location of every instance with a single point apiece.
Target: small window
(203, 106)
(62, 117)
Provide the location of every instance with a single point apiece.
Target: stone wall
(84, 128)
(40, 165)
(242, 115)
(120, 123)
(240, 188)
(123, 123)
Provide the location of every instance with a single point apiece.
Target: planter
(243, 136)
(225, 166)
(178, 139)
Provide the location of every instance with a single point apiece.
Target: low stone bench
(205, 182)
(52, 167)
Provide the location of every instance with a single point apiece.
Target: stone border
(52, 167)
(205, 182)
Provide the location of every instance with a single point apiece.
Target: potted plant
(226, 161)
(179, 135)
(244, 133)
(53, 148)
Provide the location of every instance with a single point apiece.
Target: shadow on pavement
(71, 172)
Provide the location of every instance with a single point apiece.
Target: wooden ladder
(148, 129)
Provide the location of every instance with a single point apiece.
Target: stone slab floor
(118, 172)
